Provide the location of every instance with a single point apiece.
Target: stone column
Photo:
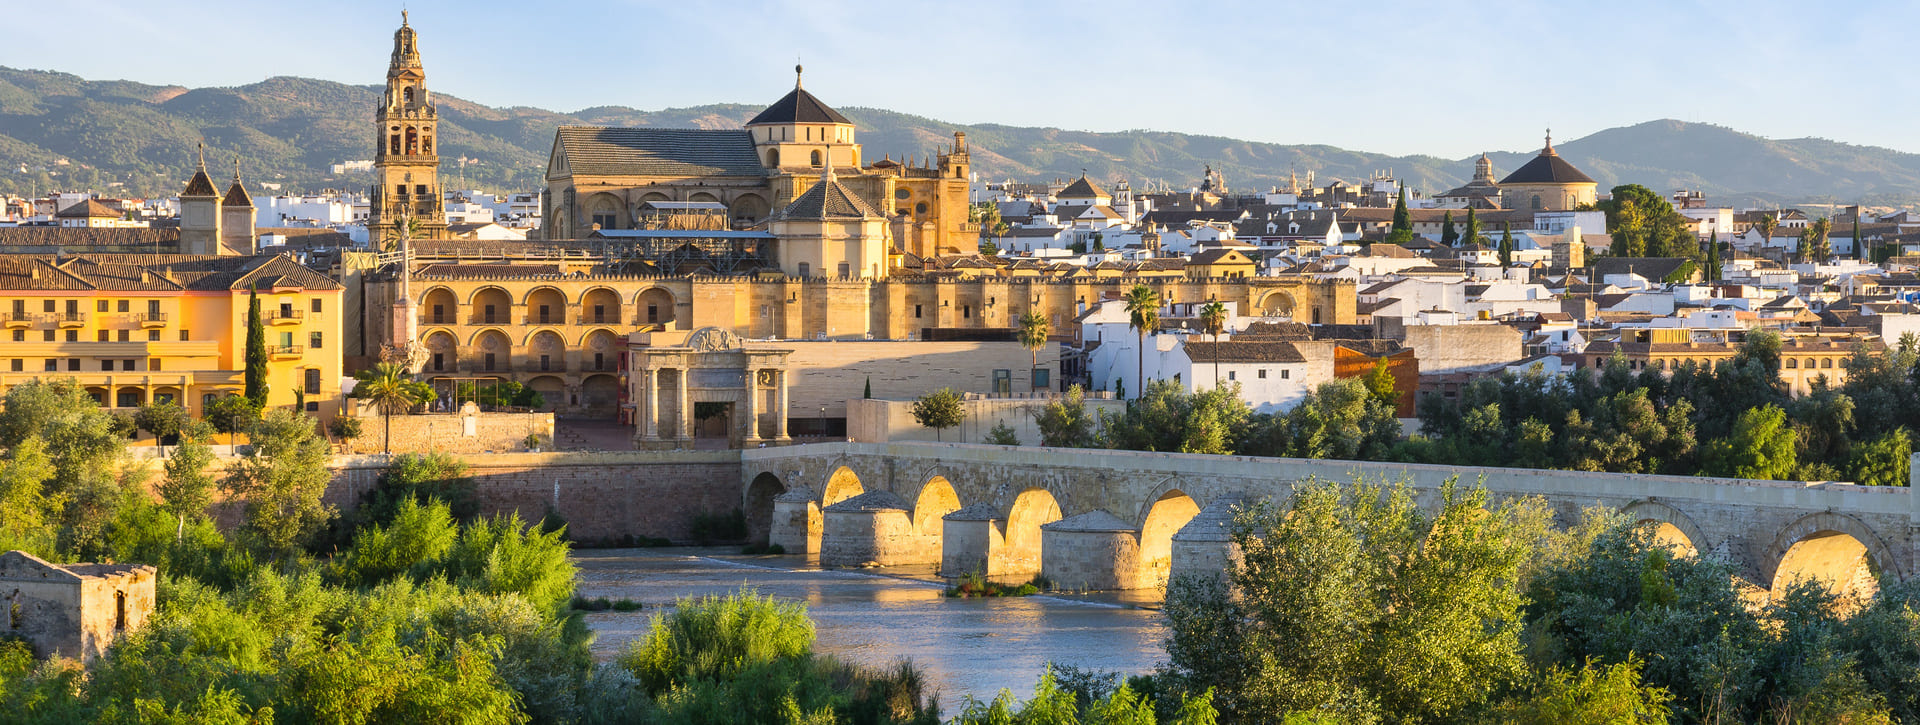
(683, 426)
(780, 406)
(753, 410)
(650, 404)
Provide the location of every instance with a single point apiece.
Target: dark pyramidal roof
(830, 200)
(1547, 168)
(201, 185)
(1081, 189)
(799, 107)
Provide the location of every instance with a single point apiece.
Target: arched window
(773, 158)
(1793, 362)
(426, 144)
(393, 140)
(1536, 202)
(413, 141)
(816, 158)
(1826, 362)
(407, 95)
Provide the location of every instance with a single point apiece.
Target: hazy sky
(1449, 79)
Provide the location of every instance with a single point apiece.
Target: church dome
(1547, 168)
(798, 107)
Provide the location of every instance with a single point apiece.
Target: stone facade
(469, 431)
(72, 610)
(880, 421)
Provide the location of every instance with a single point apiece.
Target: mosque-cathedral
(782, 230)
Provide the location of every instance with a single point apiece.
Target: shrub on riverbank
(974, 585)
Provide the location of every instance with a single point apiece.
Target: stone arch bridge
(1097, 519)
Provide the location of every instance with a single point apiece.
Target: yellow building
(139, 328)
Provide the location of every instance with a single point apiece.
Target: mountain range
(62, 132)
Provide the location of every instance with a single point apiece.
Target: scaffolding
(685, 251)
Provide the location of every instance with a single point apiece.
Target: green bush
(502, 555)
(416, 537)
(715, 638)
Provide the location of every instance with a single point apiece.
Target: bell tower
(406, 168)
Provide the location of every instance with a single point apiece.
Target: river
(966, 646)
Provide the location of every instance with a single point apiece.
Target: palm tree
(1143, 314)
(1766, 225)
(389, 387)
(1033, 335)
(1213, 319)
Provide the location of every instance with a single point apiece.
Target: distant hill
(290, 130)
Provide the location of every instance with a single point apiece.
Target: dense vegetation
(1744, 423)
(1354, 605)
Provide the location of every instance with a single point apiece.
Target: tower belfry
(406, 167)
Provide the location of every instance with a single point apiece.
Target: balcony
(20, 320)
(611, 318)
(483, 319)
(285, 317)
(151, 320)
(284, 352)
(438, 319)
(70, 320)
(545, 320)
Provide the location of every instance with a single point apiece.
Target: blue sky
(1449, 79)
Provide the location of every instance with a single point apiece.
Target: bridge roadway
(1099, 519)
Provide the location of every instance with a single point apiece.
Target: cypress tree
(256, 371)
(1402, 220)
(1506, 244)
(1472, 235)
(1859, 249)
(868, 393)
(1713, 257)
(1448, 235)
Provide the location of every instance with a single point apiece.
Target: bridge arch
(1838, 550)
(937, 498)
(1672, 528)
(756, 501)
(841, 485)
(1163, 518)
(1020, 550)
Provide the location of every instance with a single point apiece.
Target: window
(1793, 362)
(124, 306)
(128, 366)
(488, 362)
(599, 313)
(966, 312)
(420, 189)
(315, 340)
(1230, 375)
(545, 363)
(545, 315)
(439, 361)
(73, 365)
(100, 306)
(286, 339)
(286, 309)
(816, 158)
(153, 336)
(153, 364)
(439, 314)
(51, 366)
(153, 307)
(653, 312)
(119, 610)
(916, 312)
(73, 336)
(1826, 362)
(1002, 381)
(47, 335)
(313, 406)
(806, 270)
(1284, 374)
(46, 306)
(312, 381)
(183, 336)
(846, 270)
(106, 366)
(489, 314)
(1042, 378)
(599, 361)
(126, 335)
(102, 336)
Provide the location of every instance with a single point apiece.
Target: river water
(966, 646)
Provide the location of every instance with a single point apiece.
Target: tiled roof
(200, 185)
(1082, 189)
(471, 271)
(155, 272)
(830, 200)
(89, 209)
(88, 237)
(799, 107)
(1220, 256)
(658, 152)
(1275, 331)
(1237, 351)
(237, 195)
(1547, 168)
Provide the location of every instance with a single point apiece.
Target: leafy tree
(344, 428)
(1168, 418)
(1033, 334)
(187, 488)
(1448, 234)
(1644, 224)
(232, 414)
(939, 410)
(1213, 321)
(1882, 461)
(1339, 419)
(1506, 244)
(1143, 315)
(163, 419)
(988, 248)
(1761, 447)
(1814, 242)
(1065, 423)
(30, 511)
(1001, 434)
(282, 481)
(392, 390)
(1380, 383)
(1354, 603)
(256, 352)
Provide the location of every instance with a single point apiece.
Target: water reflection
(968, 647)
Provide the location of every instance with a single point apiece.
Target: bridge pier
(796, 523)
(872, 529)
(1204, 547)
(1091, 552)
(970, 539)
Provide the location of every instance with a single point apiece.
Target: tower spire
(1549, 148)
(236, 168)
(203, 155)
(796, 75)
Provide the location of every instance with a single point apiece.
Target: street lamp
(823, 421)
